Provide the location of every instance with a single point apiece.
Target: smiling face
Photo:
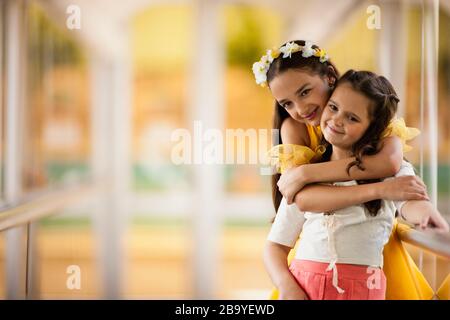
(302, 94)
(346, 117)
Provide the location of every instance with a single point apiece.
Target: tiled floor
(157, 263)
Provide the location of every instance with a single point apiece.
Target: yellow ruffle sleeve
(286, 156)
(398, 128)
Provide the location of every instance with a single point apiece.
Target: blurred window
(249, 31)
(2, 95)
(160, 61)
(57, 118)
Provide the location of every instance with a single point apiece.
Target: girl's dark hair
(382, 109)
(280, 65)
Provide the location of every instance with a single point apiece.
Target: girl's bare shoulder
(294, 132)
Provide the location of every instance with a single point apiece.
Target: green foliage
(244, 38)
(49, 44)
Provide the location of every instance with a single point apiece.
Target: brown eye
(305, 92)
(332, 107)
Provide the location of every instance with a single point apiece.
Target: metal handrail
(45, 202)
(436, 243)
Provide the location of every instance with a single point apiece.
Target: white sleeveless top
(350, 235)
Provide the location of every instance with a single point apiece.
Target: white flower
(261, 67)
(261, 79)
(289, 48)
(265, 59)
(307, 51)
(269, 56)
(260, 71)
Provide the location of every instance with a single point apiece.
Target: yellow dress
(403, 278)
(443, 293)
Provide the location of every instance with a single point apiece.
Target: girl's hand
(291, 182)
(403, 188)
(291, 290)
(434, 220)
(424, 215)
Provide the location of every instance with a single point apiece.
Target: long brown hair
(383, 107)
(280, 65)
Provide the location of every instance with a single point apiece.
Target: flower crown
(261, 67)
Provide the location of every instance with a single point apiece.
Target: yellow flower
(317, 52)
(321, 54)
(273, 54)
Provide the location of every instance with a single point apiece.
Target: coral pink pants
(359, 282)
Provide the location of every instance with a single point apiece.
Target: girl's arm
(385, 163)
(294, 132)
(275, 261)
(323, 198)
(423, 213)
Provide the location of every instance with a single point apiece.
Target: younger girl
(340, 253)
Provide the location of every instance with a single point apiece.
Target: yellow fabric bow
(398, 128)
(286, 156)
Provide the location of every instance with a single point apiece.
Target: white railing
(43, 203)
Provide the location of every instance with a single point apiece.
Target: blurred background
(92, 205)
